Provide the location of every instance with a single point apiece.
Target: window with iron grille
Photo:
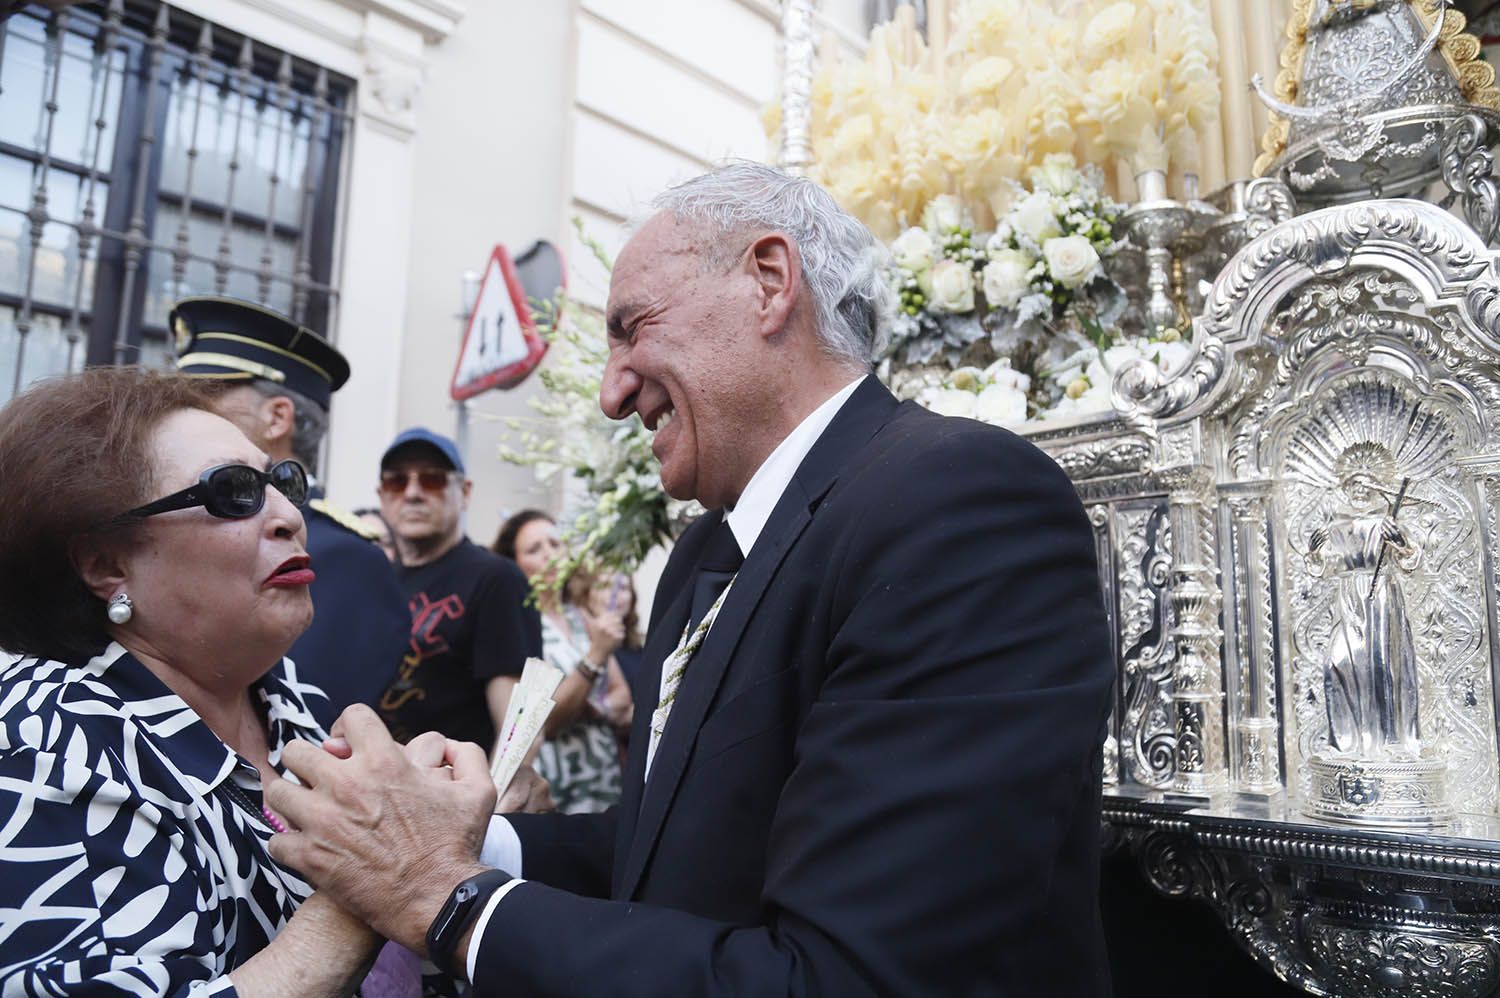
(146, 154)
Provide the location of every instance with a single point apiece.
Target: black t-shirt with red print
(469, 624)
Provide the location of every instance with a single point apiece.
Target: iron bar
(104, 232)
(198, 79)
(135, 238)
(302, 267)
(38, 215)
(279, 113)
(241, 89)
(87, 230)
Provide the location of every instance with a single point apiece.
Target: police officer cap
(229, 339)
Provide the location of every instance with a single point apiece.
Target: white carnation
(949, 401)
(1001, 405)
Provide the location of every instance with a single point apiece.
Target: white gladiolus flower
(1070, 259)
(913, 250)
(952, 286)
(1108, 28)
(1005, 278)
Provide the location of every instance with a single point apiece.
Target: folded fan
(530, 703)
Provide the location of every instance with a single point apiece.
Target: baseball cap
(419, 436)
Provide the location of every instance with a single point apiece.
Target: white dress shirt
(502, 846)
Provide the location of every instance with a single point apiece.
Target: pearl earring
(120, 609)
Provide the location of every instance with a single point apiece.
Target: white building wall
(485, 121)
(492, 138)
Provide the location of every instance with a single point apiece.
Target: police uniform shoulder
(344, 518)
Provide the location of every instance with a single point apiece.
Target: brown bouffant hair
(74, 455)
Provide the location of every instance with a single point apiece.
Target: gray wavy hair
(842, 263)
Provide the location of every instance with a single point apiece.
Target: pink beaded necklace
(277, 825)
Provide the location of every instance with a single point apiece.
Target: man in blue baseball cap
(276, 380)
(471, 630)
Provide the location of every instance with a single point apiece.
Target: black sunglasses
(232, 491)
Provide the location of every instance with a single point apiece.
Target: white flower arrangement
(996, 395)
(1109, 81)
(1023, 326)
(1081, 383)
(1039, 273)
(621, 512)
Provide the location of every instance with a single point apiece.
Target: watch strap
(458, 913)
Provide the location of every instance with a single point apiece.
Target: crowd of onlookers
(476, 615)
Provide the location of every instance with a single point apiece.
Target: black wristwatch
(458, 913)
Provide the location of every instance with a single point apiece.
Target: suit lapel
(859, 419)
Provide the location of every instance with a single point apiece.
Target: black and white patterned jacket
(132, 849)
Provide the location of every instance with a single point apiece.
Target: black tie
(721, 558)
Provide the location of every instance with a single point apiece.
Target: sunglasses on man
(394, 481)
(232, 491)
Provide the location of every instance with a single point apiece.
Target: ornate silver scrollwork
(1268, 203)
(1333, 912)
(1468, 170)
(1342, 358)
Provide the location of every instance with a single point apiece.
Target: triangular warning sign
(501, 345)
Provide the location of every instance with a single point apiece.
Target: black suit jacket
(360, 621)
(882, 771)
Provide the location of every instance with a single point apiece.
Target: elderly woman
(152, 574)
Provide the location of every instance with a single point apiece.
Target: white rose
(1001, 373)
(949, 401)
(1058, 174)
(913, 250)
(1034, 217)
(1000, 405)
(943, 214)
(952, 286)
(1070, 259)
(1005, 278)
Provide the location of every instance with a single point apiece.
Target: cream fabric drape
(1251, 35)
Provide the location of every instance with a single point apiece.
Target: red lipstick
(292, 572)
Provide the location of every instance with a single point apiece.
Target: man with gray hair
(881, 665)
